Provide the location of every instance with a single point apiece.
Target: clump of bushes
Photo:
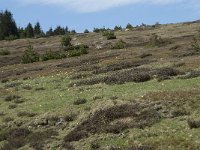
(11, 97)
(109, 35)
(70, 117)
(119, 45)
(26, 114)
(94, 145)
(78, 51)
(53, 55)
(193, 123)
(155, 40)
(30, 56)
(66, 41)
(4, 52)
(196, 44)
(80, 101)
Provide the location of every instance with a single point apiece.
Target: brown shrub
(133, 75)
(80, 101)
(12, 106)
(193, 123)
(100, 121)
(192, 74)
(13, 85)
(25, 114)
(4, 80)
(121, 65)
(11, 97)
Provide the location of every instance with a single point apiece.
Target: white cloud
(86, 6)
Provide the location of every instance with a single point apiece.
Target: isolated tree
(30, 55)
(7, 25)
(86, 31)
(29, 31)
(66, 30)
(66, 41)
(37, 29)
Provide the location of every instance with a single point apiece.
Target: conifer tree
(8, 26)
(29, 31)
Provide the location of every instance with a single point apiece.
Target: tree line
(10, 31)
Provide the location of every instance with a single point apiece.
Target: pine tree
(29, 31)
(37, 30)
(50, 32)
(59, 31)
(129, 26)
(8, 26)
(22, 33)
(66, 30)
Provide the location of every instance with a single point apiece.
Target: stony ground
(142, 97)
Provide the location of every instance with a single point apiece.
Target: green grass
(58, 98)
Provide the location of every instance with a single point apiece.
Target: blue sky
(82, 14)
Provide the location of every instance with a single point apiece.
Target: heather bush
(119, 45)
(4, 52)
(109, 35)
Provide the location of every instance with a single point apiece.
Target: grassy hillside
(145, 96)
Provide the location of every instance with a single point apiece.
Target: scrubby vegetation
(4, 52)
(66, 41)
(119, 45)
(30, 56)
(141, 96)
(49, 55)
(109, 35)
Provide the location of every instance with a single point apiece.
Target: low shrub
(167, 72)
(25, 114)
(30, 56)
(196, 44)
(4, 80)
(49, 55)
(18, 101)
(12, 106)
(190, 75)
(78, 52)
(179, 112)
(94, 145)
(144, 55)
(27, 87)
(13, 85)
(193, 123)
(119, 45)
(155, 40)
(66, 41)
(11, 97)
(109, 35)
(4, 52)
(70, 117)
(8, 119)
(40, 89)
(80, 101)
